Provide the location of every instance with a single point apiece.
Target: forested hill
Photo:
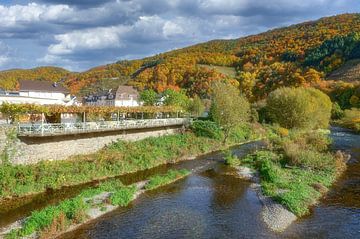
(302, 54)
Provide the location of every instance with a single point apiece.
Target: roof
(43, 86)
(125, 92)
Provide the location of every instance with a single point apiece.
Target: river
(214, 203)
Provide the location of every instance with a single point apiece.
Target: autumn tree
(229, 108)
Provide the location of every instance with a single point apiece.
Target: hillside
(349, 72)
(9, 78)
(298, 55)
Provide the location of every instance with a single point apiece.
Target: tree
(149, 97)
(304, 108)
(228, 108)
(176, 98)
(196, 107)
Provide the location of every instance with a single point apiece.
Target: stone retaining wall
(33, 151)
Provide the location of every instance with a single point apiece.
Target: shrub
(123, 196)
(240, 133)
(304, 108)
(310, 159)
(336, 111)
(206, 129)
(269, 171)
(231, 159)
(351, 119)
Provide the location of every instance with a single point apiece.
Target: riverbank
(292, 175)
(297, 169)
(276, 216)
(350, 120)
(116, 159)
(88, 205)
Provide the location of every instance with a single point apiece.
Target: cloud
(90, 39)
(86, 33)
(79, 3)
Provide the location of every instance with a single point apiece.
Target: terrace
(54, 129)
(45, 121)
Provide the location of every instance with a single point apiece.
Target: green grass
(228, 71)
(170, 176)
(123, 196)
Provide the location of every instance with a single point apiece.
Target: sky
(78, 35)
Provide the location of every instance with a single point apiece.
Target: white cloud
(90, 39)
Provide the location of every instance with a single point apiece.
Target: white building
(38, 92)
(126, 96)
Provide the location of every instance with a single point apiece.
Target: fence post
(42, 124)
(84, 121)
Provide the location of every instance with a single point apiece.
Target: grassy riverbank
(117, 159)
(298, 169)
(350, 119)
(53, 220)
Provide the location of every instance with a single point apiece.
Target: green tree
(176, 98)
(304, 108)
(196, 107)
(149, 97)
(229, 108)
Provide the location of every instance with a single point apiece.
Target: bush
(351, 119)
(241, 133)
(310, 159)
(269, 171)
(304, 108)
(123, 196)
(336, 111)
(206, 129)
(231, 159)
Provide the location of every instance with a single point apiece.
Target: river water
(214, 203)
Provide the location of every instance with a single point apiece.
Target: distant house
(38, 92)
(126, 96)
(104, 98)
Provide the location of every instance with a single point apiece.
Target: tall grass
(297, 170)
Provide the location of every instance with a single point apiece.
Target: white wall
(48, 95)
(127, 103)
(30, 100)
